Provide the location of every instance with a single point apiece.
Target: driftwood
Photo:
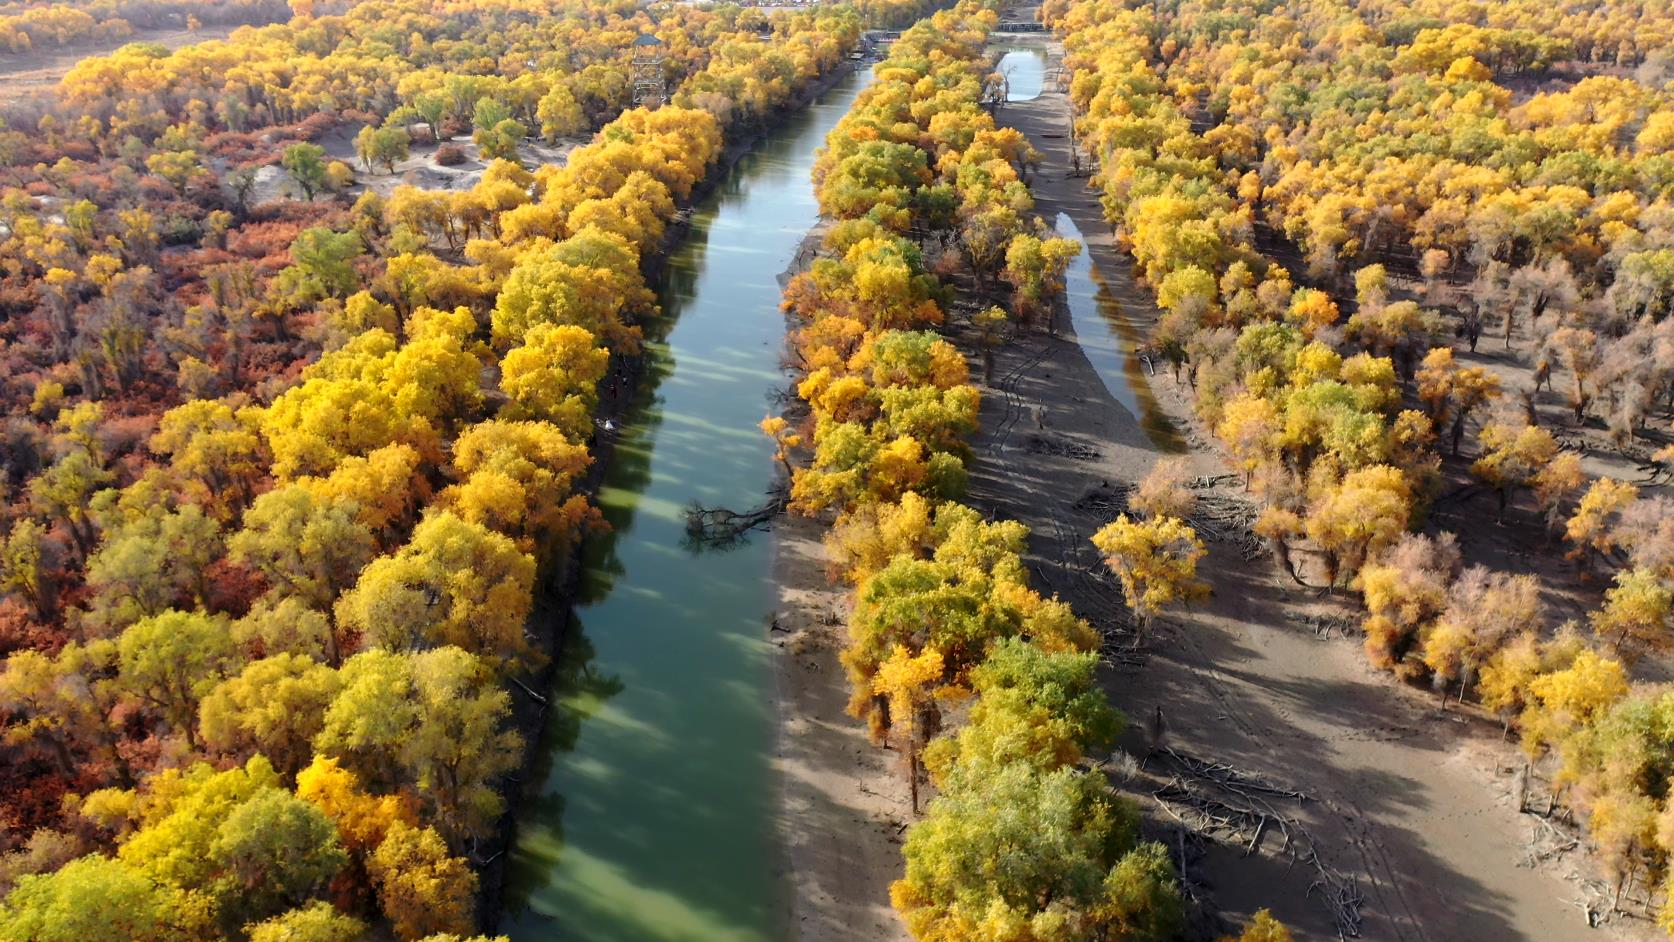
(1323, 625)
(1547, 841)
(720, 527)
(1062, 448)
(1232, 778)
(1243, 813)
(538, 698)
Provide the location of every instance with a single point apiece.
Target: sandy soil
(845, 804)
(1407, 809)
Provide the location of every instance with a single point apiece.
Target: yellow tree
(1452, 392)
(1636, 612)
(1593, 526)
(1156, 562)
(784, 440)
(421, 888)
(362, 819)
(518, 481)
(1512, 456)
(454, 583)
(1565, 700)
(553, 376)
(908, 683)
(1359, 516)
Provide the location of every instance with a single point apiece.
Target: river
(656, 813)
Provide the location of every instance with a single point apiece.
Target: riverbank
(843, 804)
(559, 587)
(1408, 830)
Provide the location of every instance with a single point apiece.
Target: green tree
(64, 492)
(499, 142)
(385, 146)
(23, 567)
(987, 860)
(1032, 706)
(306, 164)
(91, 898)
(322, 266)
(169, 662)
(454, 583)
(306, 547)
(275, 706)
(272, 852)
(148, 564)
(237, 840)
(434, 721)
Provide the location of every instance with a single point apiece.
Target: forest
(309, 336)
(1413, 272)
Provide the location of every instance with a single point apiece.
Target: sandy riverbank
(843, 802)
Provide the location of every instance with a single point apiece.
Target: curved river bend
(654, 820)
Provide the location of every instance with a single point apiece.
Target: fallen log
(720, 526)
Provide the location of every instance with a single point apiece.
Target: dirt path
(1408, 811)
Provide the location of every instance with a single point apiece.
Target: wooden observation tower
(650, 79)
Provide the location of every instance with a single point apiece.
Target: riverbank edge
(559, 578)
(840, 815)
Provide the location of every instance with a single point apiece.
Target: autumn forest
(976, 471)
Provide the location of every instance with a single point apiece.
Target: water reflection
(654, 819)
(1112, 342)
(1025, 70)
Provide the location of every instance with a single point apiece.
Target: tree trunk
(912, 773)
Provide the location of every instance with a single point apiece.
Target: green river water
(655, 817)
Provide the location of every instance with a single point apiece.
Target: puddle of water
(1025, 72)
(1112, 342)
